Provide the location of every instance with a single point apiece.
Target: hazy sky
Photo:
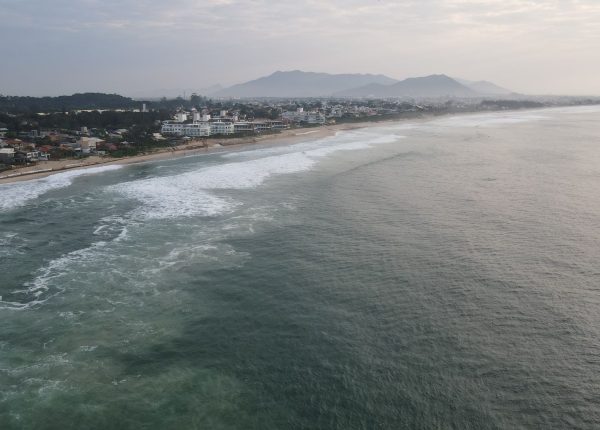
(51, 47)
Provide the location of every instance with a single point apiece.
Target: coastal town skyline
(533, 47)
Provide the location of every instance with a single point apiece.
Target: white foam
(171, 197)
(42, 288)
(17, 194)
(341, 141)
(189, 194)
(574, 109)
(352, 146)
(488, 119)
(186, 194)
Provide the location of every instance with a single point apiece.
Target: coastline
(291, 136)
(286, 137)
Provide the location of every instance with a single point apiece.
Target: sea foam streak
(19, 193)
(182, 195)
(491, 119)
(188, 194)
(342, 140)
(42, 288)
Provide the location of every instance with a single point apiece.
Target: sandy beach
(47, 168)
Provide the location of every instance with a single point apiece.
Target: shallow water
(441, 274)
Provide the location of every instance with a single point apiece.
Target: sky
(141, 47)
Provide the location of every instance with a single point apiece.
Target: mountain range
(309, 84)
(301, 84)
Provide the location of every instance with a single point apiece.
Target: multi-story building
(278, 125)
(196, 129)
(196, 116)
(262, 126)
(300, 116)
(222, 127)
(216, 127)
(243, 127)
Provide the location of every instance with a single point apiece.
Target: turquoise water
(439, 274)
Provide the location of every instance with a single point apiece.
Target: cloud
(233, 40)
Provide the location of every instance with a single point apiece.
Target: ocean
(440, 274)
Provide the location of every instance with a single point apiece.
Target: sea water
(434, 274)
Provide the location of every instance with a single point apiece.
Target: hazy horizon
(130, 48)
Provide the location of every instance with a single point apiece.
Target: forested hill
(18, 104)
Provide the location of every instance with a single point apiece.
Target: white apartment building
(243, 127)
(300, 116)
(262, 126)
(181, 117)
(197, 129)
(221, 127)
(209, 128)
(196, 116)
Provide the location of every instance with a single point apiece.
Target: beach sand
(47, 168)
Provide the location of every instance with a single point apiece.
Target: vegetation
(18, 104)
(92, 120)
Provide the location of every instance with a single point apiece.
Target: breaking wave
(491, 119)
(19, 193)
(190, 193)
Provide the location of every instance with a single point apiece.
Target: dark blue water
(442, 274)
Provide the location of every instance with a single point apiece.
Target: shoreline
(291, 136)
(286, 137)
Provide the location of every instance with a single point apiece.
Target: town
(111, 126)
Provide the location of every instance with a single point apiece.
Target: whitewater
(421, 274)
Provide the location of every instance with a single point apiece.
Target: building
(262, 126)
(243, 127)
(7, 155)
(196, 116)
(197, 129)
(222, 127)
(218, 127)
(300, 116)
(279, 125)
(181, 117)
(89, 144)
(23, 157)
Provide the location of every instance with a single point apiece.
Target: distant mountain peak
(485, 87)
(297, 83)
(437, 85)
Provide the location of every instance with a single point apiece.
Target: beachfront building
(262, 126)
(243, 127)
(219, 127)
(222, 127)
(196, 129)
(7, 155)
(196, 116)
(89, 144)
(299, 115)
(181, 117)
(279, 125)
